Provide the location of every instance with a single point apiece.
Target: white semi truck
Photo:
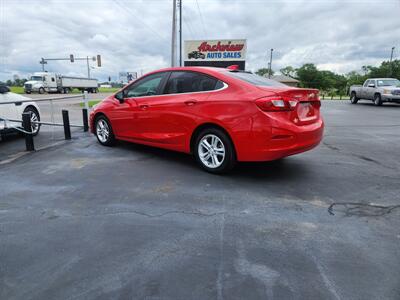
(41, 82)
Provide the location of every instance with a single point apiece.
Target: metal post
(88, 67)
(390, 64)
(180, 33)
(67, 128)
(173, 38)
(85, 100)
(85, 120)
(52, 118)
(270, 64)
(26, 124)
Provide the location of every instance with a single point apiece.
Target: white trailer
(42, 82)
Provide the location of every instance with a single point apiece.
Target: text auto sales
(221, 50)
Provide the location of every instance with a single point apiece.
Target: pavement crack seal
(359, 156)
(196, 213)
(361, 209)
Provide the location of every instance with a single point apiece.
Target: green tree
(309, 76)
(264, 72)
(288, 71)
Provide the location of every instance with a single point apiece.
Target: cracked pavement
(82, 221)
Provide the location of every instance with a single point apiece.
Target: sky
(135, 35)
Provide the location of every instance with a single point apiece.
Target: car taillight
(276, 104)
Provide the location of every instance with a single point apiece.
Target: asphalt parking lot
(82, 221)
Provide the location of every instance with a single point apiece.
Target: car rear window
(254, 79)
(189, 82)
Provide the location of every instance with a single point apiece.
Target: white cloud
(135, 35)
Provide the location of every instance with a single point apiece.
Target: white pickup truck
(13, 111)
(378, 90)
(42, 82)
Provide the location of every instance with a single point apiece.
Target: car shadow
(282, 169)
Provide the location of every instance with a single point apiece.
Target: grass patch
(17, 89)
(91, 103)
(108, 90)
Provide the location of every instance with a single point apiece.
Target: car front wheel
(377, 100)
(104, 132)
(214, 151)
(35, 117)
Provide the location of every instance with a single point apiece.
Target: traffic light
(109, 78)
(98, 60)
(71, 58)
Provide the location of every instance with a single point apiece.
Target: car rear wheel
(35, 117)
(104, 132)
(214, 151)
(353, 98)
(377, 100)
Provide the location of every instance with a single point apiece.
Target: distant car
(196, 55)
(378, 90)
(219, 115)
(14, 111)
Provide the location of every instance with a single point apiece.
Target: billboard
(215, 50)
(125, 77)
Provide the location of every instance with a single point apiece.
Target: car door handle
(190, 102)
(144, 106)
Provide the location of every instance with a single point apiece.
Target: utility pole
(88, 66)
(173, 40)
(270, 64)
(180, 33)
(391, 66)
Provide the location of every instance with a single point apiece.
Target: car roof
(382, 79)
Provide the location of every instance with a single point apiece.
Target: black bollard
(85, 120)
(27, 126)
(67, 128)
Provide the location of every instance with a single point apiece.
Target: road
(82, 221)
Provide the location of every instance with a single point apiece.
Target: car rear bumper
(281, 141)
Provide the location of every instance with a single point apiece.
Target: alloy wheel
(211, 151)
(102, 130)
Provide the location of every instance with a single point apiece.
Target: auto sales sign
(215, 50)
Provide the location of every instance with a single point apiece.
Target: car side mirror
(120, 96)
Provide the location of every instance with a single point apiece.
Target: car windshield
(388, 82)
(254, 79)
(36, 78)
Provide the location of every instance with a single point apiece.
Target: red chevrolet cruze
(219, 115)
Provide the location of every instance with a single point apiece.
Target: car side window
(189, 82)
(366, 83)
(147, 86)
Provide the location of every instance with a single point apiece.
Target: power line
(201, 17)
(128, 9)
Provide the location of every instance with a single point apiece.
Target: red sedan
(219, 115)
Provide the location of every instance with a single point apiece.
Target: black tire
(41, 90)
(377, 100)
(33, 110)
(110, 140)
(353, 98)
(228, 161)
(28, 92)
